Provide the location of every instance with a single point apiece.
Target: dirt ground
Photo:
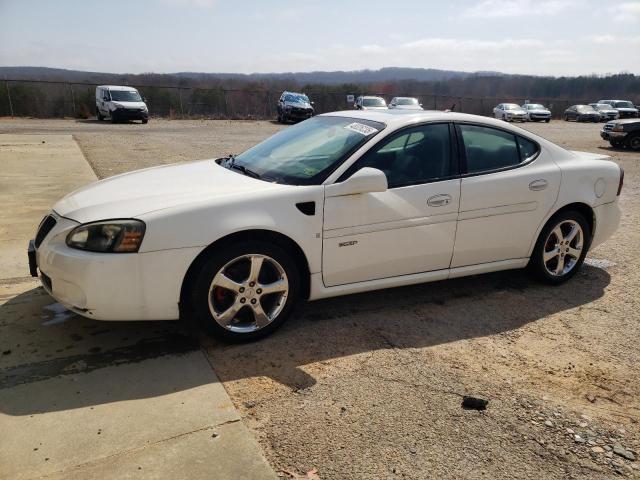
(370, 385)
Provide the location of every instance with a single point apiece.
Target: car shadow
(409, 317)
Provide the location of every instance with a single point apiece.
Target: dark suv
(622, 133)
(294, 106)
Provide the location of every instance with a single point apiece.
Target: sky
(540, 37)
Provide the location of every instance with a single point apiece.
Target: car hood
(298, 104)
(539, 111)
(133, 194)
(130, 104)
(516, 112)
(408, 107)
(626, 109)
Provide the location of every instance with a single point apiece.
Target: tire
(633, 142)
(113, 118)
(99, 116)
(145, 120)
(504, 118)
(616, 143)
(566, 118)
(240, 311)
(547, 247)
(547, 120)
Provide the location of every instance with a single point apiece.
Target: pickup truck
(622, 133)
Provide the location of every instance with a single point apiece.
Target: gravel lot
(369, 386)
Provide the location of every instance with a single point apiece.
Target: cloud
(627, 12)
(613, 39)
(517, 8)
(191, 3)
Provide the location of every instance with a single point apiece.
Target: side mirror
(105, 98)
(365, 180)
(313, 103)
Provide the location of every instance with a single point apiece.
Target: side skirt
(318, 290)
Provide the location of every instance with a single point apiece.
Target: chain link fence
(46, 99)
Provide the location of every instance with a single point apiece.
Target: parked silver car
(370, 103)
(606, 111)
(405, 103)
(510, 112)
(537, 112)
(625, 108)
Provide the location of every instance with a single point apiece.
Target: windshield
(306, 153)
(535, 106)
(125, 96)
(585, 108)
(602, 106)
(373, 102)
(296, 98)
(406, 101)
(624, 105)
(511, 106)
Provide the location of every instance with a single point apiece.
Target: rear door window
(487, 149)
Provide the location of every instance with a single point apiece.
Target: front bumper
(130, 114)
(539, 116)
(299, 114)
(610, 135)
(107, 286)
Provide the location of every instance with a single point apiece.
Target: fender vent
(308, 208)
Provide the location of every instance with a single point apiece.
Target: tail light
(621, 181)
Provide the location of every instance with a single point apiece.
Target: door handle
(538, 185)
(439, 200)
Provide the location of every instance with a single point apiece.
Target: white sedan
(341, 203)
(510, 112)
(405, 103)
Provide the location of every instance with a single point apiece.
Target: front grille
(607, 127)
(43, 230)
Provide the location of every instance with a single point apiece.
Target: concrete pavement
(86, 399)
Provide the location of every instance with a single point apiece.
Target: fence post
(73, 99)
(460, 105)
(9, 96)
(180, 98)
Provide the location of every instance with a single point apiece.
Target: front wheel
(145, 120)
(547, 120)
(99, 116)
(634, 142)
(561, 248)
(245, 291)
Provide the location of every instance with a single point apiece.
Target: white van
(120, 103)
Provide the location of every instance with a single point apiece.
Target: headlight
(111, 236)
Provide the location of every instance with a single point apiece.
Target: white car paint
(106, 105)
(405, 103)
(510, 112)
(393, 236)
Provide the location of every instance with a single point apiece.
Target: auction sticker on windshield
(361, 128)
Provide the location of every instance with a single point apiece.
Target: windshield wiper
(231, 163)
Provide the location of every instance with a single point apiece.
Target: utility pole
(6, 82)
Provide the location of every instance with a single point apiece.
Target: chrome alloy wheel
(248, 293)
(563, 248)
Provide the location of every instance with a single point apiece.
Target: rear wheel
(246, 291)
(633, 142)
(561, 248)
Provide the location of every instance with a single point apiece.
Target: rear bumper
(607, 218)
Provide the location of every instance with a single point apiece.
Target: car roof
(399, 118)
(118, 87)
